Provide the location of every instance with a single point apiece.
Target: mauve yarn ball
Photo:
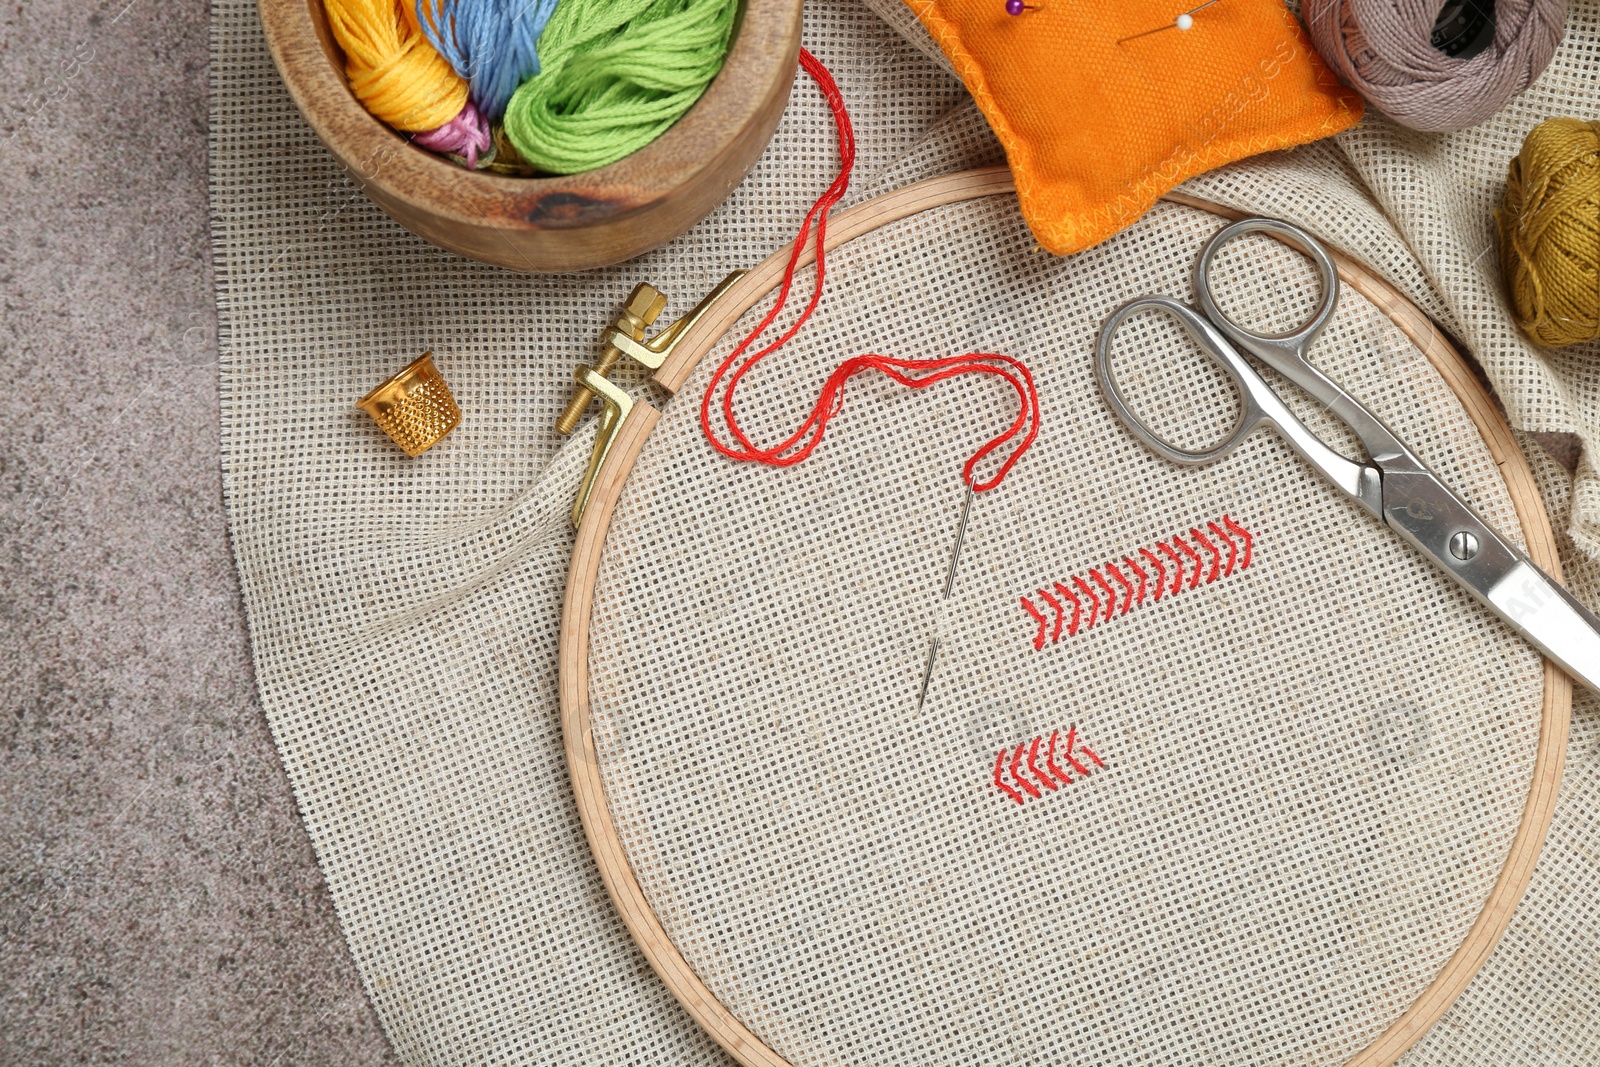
(1384, 50)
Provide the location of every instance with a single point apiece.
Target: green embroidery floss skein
(614, 74)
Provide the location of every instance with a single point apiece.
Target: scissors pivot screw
(1464, 546)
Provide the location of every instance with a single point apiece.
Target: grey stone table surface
(159, 900)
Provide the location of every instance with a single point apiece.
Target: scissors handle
(1286, 352)
(1283, 352)
(1259, 406)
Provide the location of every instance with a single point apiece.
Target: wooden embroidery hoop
(698, 339)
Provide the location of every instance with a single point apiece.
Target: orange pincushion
(1097, 126)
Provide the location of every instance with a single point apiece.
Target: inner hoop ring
(583, 766)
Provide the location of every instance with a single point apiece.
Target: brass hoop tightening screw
(644, 305)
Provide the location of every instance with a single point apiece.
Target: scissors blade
(1419, 507)
(1551, 619)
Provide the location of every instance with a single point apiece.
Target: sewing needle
(1184, 21)
(949, 584)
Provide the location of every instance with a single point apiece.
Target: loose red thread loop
(1103, 604)
(1013, 760)
(912, 373)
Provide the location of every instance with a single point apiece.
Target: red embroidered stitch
(1072, 735)
(1055, 773)
(1077, 607)
(1038, 638)
(1033, 765)
(1242, 532)
(1143, 577)
(1094, 601)
(1194, 557)
(1055, 606)
(1127, 587)
(1000, 765)
(1103, 604)
(1177, 563)
(1050, 761)
(1111, 594)
(1027, 786)
(1233, 549)
(1216, 557)
(1161, 572)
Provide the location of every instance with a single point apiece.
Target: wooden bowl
(570, 222)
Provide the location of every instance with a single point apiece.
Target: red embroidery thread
(1021, 786)
(1038, 639)
(1050, 761)
(1249, 539)
(1033, 765)
(999, 766)
(1127, 587)
(1233, 549)
(1103, 607)
(1072, 735)
(1143, 577)
(1216, 557)
(1077, 606)
(1027, 786)
(1094, 601)
(1055, 606)
(912, 373)
(1161, 572)
(1194, 557)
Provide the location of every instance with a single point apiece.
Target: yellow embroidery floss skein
(1550, 232)
(403, 80)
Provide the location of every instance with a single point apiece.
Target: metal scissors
(1394, 484)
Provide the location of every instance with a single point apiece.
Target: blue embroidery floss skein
(491, 43)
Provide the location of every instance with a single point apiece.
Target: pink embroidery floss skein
(1437, 65)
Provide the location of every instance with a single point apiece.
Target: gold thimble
(414, 407)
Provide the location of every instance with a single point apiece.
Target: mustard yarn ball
(1550, 232)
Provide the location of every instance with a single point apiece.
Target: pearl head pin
(1185, 21)
(1017, 7)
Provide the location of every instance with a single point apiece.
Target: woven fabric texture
(1418, 208)
(403, 614)
(1314, 764)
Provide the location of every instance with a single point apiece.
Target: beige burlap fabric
(1314, 765)
(403, 613)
